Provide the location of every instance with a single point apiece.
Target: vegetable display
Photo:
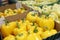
(33, 27)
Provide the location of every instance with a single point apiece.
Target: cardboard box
(57, 26)
(14, 17)
(12, 6)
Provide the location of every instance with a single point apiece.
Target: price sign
(2, 21)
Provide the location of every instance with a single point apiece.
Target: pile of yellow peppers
(33, 27)
(10, 12)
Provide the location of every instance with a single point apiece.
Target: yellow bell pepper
(22, 36)
(25, 23)
(39, 31)
(31, 16)
(48, 33)
(8, 12)
(53, 31)
(33, 37)
(17, 31)
(35, 29)
(19, 28)
(19, 10)
(22, 11)
(7, 29)
(15, 11)
(31, 29)
(10, 37)
(45, 34)
(40, 21)
(45, 23)
(48, 24)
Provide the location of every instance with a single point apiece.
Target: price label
(18, 4)
(2, 21)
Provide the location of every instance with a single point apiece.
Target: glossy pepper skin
(38, 30)
(48, 33)
(45, 34)
(21, 26)
(34, 37)
(10, 37)
(21, 36)
(31, 16)
(35, 29)
(8, 28)
(45, 23)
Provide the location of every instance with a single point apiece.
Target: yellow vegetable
(20, 27)
(31, 29)
(34, 37)
(37, 30)
(46, 34)
(10, 37)
(28, 24)
(15, 11)
(17, 31)
(19, 10)
(53, 31)
(23, 11)
(22, 36)
(48, 24)
(40, 31)
(45, 23)
(40, 21)
(31, 16)
(8, 12)
(7, 29)
(12, 24)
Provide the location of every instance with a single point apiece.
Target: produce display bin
(11, 18)
(23, 15)
(7, 6)
(57, 27)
